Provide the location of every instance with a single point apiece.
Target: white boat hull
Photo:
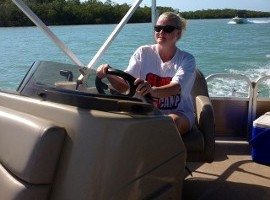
(239, 20)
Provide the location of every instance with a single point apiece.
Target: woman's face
(167, 35)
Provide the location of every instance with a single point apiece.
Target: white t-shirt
(146, 63)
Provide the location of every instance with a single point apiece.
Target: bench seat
(29, 152)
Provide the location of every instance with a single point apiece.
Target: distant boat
(239, 20)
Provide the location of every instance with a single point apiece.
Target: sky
(193, 5)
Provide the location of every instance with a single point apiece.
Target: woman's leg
(181, 122)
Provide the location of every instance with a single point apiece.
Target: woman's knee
(181, 122)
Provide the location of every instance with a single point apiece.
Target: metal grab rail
(255, 96)
(252, 93)
(107, 43)
(84, 71)
(234, 76)
(34, 18)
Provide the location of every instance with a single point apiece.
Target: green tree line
(72, 12)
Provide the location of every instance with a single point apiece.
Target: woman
(164, 71)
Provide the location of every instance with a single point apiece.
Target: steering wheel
(101, 86)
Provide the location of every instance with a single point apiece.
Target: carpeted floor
(233, 175)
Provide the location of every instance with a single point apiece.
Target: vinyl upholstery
(29, 152)
(200, 141)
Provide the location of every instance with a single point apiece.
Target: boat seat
(29, 152)
(200, 141)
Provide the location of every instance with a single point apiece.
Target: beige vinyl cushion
(29, 146)
(12, 188)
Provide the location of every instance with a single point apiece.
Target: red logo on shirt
(166, 103)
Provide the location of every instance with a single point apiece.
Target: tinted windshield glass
(48, 75)
(56, 75)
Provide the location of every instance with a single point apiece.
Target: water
(217, 45)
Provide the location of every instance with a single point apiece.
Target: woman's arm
(144, 88)
(117, 82)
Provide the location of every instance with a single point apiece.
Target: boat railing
(251, 95)
(256, 95)
(234, 90)
(235, 95)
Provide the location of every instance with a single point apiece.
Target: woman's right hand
(102, 70)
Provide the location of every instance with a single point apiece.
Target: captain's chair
(200, 141)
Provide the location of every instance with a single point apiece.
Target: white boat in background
(239, 20)
(66, 139)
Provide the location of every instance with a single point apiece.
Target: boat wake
(258, 21)
(238, 88)
(255, 21)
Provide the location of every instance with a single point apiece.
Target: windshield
(55, 75)
(63, 77)
(57, 82)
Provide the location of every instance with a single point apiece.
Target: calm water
(217, 45)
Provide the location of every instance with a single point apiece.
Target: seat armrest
(206, 123)
(204, 111)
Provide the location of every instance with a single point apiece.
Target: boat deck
(233, 175)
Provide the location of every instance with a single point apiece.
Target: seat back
(29, 152)
(200, 141)
(200, 86)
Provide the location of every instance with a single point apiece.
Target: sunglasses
(167, 29)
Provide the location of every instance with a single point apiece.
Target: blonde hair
(180, 22)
